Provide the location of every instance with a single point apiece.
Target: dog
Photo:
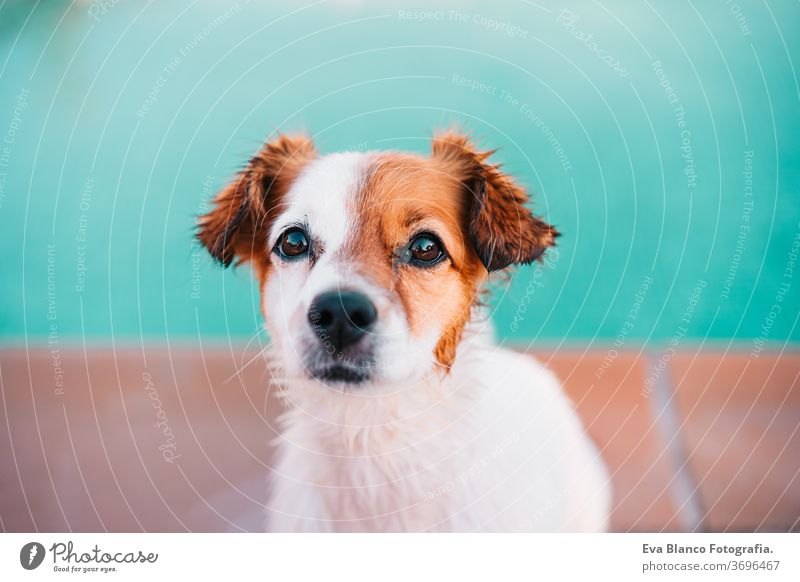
(402, 414)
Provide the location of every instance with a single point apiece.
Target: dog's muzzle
(341, 320)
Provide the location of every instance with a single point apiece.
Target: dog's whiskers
(255, 336)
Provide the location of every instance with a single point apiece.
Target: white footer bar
(406, 557)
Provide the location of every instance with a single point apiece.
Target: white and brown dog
(402, 414)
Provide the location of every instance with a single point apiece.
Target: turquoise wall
(662, 138)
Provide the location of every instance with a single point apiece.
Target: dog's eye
(292, 244)
(426, 250)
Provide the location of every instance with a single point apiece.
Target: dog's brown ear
(236, 226)
(502, 230)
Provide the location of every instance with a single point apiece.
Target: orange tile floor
(708, 442)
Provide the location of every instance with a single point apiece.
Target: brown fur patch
(236, 227)
(404, 195)
(502, 229)
(476, 210)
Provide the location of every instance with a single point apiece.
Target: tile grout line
(666, 418)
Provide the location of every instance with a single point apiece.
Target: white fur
(493, 445)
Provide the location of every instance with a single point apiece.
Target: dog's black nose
(341, 317)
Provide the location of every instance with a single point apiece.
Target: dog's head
(370, 263)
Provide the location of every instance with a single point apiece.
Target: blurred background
(660, 137)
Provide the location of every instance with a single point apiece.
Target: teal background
(86, 159)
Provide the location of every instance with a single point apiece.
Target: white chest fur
(492, 446)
